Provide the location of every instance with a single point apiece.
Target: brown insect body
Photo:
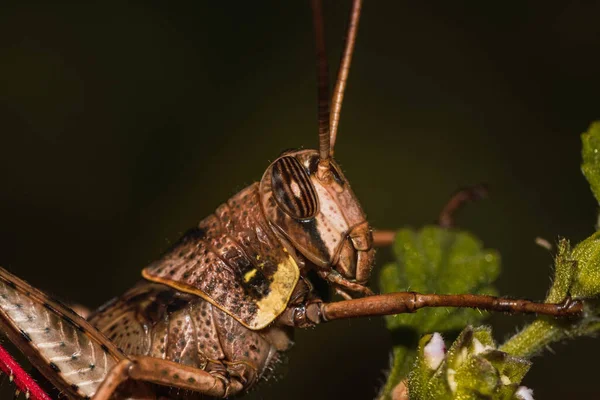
(224, 285)
(226, 294)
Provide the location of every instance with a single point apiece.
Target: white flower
(435, 351)
(524, 393)
(479, 348)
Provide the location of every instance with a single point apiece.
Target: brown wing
(66, 349)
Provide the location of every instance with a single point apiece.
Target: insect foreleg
(315, 311)
(167, 373)
(408, 302)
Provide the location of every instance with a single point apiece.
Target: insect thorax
(234, 260)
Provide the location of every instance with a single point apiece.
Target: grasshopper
(215, 313)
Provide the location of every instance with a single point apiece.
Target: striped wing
(67, 350)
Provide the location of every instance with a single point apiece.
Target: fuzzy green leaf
(564, 270)
(577, 274)
(434, 260)
(587, 277)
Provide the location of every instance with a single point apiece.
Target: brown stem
(407, 302)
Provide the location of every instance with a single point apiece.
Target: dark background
(122, 125)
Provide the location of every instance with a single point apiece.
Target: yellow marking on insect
(283, 282)
(249, 275)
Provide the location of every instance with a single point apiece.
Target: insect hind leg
(65, 348)
(167, 373)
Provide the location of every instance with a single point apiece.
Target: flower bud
(471, 368)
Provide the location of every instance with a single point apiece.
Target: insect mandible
(214, 313)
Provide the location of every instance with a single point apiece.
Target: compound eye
(293, 189)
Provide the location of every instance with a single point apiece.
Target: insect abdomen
(186, 329)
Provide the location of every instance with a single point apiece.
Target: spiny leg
(314, 312)
(166, 373)
(408, 302)
(64, 347)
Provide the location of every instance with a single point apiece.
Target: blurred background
(122, 125)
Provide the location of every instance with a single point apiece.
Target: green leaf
(434, 260)
(577, 274)
(587, 260)
(591, 157)
(564, 271)
(587, 253)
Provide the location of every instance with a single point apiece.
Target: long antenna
(342, 77)
(322, 88)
